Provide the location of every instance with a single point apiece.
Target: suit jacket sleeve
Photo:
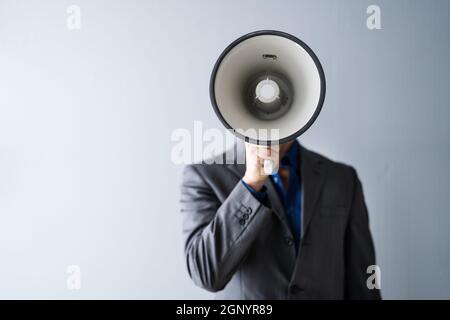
(217, 235)
(360, 252)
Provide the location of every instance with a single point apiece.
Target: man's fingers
(268, 153)
(263, 152)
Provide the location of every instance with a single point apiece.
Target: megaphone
(267, 87)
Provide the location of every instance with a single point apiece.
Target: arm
(360, 252)
(217, 235)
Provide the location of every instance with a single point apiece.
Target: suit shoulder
(204, 168)
(335, 167)
(208, 170)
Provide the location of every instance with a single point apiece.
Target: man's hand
(255, 156)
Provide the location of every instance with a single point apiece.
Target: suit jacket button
(248, 210)
(245, 216)
(295, 289)
(242, 221)
(289, 241)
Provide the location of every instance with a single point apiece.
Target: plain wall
(86, 119)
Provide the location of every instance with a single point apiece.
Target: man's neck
(284, 148)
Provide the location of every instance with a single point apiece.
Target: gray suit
(242, 249)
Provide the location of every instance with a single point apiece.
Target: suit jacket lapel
(238, 169)
(313, 175)
(275, 202)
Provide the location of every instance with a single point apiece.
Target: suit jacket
(241, 249)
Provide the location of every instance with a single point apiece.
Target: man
(302, 233)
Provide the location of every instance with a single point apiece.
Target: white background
(86, 118)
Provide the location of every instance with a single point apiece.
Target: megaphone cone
(267, 82)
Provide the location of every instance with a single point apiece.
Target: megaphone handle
(269, 167)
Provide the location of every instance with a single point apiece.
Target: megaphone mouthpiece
(267, 91)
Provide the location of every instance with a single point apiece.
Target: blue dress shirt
(292, 197)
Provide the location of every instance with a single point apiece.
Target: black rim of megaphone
(212, 93)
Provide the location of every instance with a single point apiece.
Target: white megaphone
(267, 87)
